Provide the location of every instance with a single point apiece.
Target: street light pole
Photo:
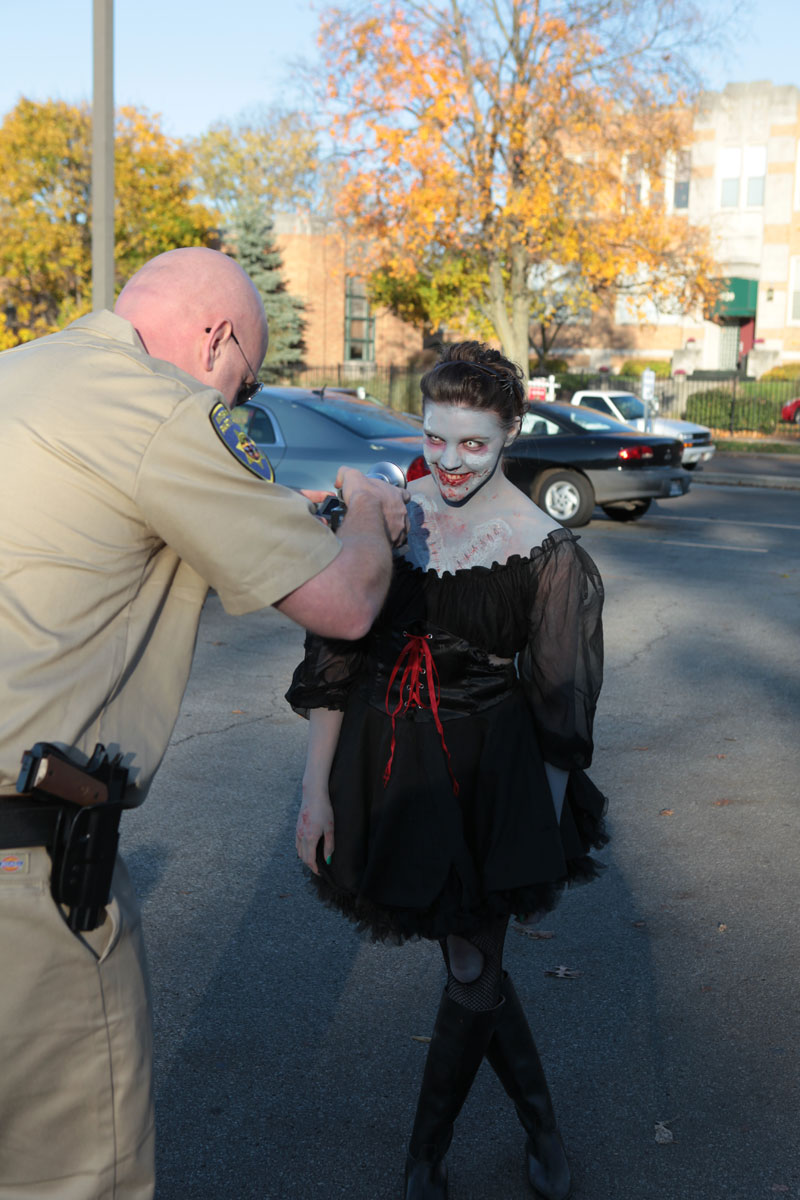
(103, 156)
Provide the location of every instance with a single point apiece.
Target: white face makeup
(462, 447)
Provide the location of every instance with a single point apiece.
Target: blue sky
(197, 61)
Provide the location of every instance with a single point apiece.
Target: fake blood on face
(462, 448)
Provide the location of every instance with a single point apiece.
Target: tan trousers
(76, 1107)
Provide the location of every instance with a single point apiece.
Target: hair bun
(476, 376)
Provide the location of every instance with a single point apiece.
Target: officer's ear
(216, 337)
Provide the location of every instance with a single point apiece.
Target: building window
(637, 181)
(359, 324)
(730, 170)
(755, 170)
(683, 172)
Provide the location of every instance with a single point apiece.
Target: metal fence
(396, 386)
(730, 407)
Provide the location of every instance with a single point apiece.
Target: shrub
(569, 383)
(783, 371)
(550, 366)
(633, 368)
(740, 409)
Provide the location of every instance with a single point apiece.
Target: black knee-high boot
(515, 1060)
(458, 1044)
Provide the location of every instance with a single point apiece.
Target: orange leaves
(513, 139)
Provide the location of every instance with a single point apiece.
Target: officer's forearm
(344, 599)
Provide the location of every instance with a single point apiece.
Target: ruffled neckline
(547, 544)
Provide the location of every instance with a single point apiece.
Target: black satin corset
(423, 659)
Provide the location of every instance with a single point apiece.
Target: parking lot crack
(201, 733)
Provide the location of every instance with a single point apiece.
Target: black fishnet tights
(482, 993)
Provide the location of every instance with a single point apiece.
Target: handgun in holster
(86, 836)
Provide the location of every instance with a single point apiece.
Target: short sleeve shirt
(119, 506)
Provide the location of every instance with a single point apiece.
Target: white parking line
(724, 521)
(711, 546)
(657, 541)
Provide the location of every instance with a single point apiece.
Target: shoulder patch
(240, 445)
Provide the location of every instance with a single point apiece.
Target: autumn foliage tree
(266, 158)
(45, 210)
(497, 150)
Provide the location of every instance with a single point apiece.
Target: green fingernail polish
(328, 858)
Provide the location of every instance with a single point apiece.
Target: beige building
(740, 177)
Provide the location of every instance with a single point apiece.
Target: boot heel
(425, 1180)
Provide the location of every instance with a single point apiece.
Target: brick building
(321, 265)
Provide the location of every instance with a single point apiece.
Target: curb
(785, 482)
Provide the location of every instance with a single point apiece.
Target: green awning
(737, 298)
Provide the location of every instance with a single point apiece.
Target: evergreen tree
(253, 241)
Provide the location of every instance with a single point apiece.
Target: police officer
(125, 492)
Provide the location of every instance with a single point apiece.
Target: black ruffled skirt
(420, 857)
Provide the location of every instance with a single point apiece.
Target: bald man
(125, 493)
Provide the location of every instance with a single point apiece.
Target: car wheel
(797, 417)
(564, 495)
(629, 510)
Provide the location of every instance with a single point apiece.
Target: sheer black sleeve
(327, 673)
(561, 668)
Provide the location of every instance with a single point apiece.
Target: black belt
(25, 822)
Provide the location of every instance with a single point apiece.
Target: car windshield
(366, 419)
(630, 406)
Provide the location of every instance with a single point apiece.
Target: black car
(307, 435)
(570, 459)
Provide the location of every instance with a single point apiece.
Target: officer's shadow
(266, 1061)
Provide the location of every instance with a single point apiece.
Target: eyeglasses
(247, 390)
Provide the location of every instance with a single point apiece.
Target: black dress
(443, 818)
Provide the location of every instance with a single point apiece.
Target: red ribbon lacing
(415, 661)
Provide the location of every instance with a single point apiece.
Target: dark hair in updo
(474, 376)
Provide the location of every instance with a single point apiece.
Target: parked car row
(568, 458)
(625, 406)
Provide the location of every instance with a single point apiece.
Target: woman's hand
(314, 821)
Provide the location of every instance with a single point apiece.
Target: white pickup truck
(697, 444)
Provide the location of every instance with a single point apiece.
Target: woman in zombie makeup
(444, 787)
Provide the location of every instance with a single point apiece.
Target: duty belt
(26, 822)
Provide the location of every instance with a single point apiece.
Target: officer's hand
(314, 821)
(392, 500)
(316, 497)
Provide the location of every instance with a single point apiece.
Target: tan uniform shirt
(119, 506)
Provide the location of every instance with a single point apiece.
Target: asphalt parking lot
(287, 1064)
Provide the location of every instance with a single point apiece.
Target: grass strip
(735, 446)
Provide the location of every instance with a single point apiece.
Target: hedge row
(723, 408)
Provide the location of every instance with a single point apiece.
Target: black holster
(86, 836)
